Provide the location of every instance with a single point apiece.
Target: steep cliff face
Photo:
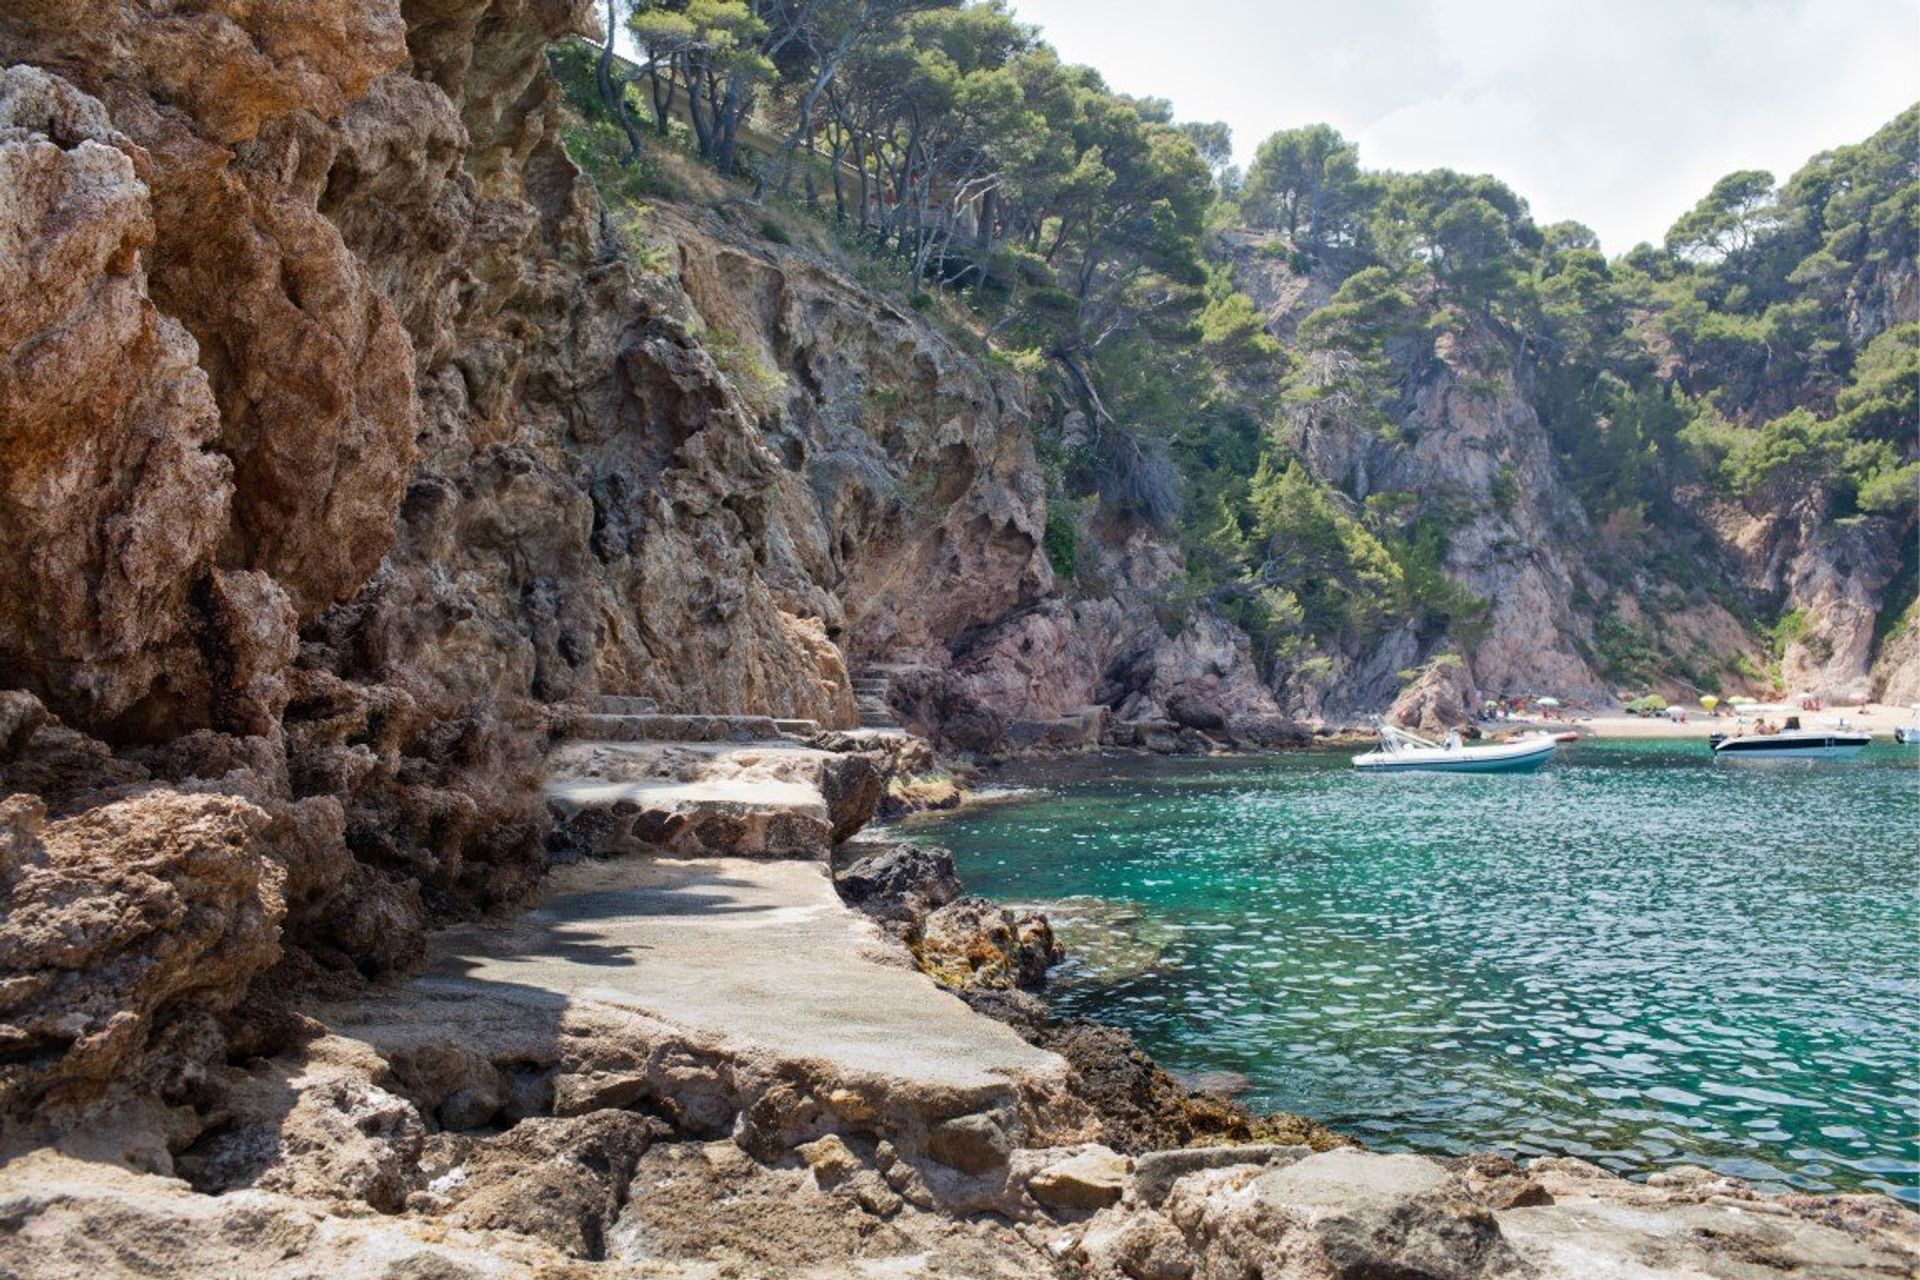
(1896, 671)
(1835, 573)
(1120, 644)
(1469, 452)
(904, 505)
(1574, 606)
(353, 432)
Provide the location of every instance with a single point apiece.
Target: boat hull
(1811, 746)
(1507, 758)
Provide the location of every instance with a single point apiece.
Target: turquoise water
(1637, 956)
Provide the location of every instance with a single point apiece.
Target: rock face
(1896, 670)
(1835, 576)
(129, 929)
(1472, 454)
(112, 496)
(1060, 676)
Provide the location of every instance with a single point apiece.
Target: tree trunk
(860, 167)
(696, 109)
(603, 68)
(727, 122)
(613, 93)
(838, 137)
(662, 92)
(983, 233)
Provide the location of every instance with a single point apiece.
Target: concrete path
(718, 979)
(758, 956)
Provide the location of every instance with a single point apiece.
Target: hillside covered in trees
(1321, 382)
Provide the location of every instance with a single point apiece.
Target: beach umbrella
(1548, 702)
(1709, 702)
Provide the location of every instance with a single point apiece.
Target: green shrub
(1625, 654)
(1061, 541)
(1506, 489)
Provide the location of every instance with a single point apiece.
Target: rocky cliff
(1574, 606)
(355, 447)
(1469, 451)
(353, 436)
(1845, 578)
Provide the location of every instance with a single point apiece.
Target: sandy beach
(1875, 718)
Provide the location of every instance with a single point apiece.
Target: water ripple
(1636, 956)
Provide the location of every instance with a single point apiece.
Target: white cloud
(1619, 114)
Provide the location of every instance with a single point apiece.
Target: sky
(1616, 113)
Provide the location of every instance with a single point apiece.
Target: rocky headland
(451, 641)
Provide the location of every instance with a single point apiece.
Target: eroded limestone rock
(129, 929)
(112, 496)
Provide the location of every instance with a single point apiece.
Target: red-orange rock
(128, 929)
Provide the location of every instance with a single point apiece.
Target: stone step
(620, 704)
(656, 727)
(797, 728)
(754, 817)
(772, 798)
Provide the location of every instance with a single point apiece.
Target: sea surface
(1637, 956)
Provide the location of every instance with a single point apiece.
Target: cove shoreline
(1018, 870)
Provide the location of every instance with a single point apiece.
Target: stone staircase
(626, 777)
(613, 717)
(871, 688)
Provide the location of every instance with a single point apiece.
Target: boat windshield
(1396, 740)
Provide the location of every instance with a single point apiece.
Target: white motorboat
(1403, 752)
(1792, 743)
(1907, 735)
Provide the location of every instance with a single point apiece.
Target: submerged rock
(1140, 1106)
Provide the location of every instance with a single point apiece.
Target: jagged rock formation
(1837, 575)
(353, 436)
(1472, 453)
(129, 929)
(1471, 450)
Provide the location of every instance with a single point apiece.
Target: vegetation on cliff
(1755, 361)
